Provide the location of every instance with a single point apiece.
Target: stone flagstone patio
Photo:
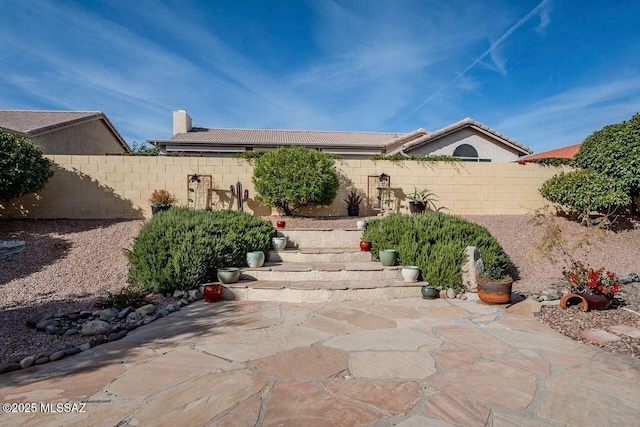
(407, 362)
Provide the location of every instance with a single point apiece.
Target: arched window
(465, 150)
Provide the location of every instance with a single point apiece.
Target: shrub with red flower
(581, 277)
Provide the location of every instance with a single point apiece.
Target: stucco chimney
(181, 121)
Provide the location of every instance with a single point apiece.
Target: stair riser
(296, 276)
(288, 256)
(322, 238)
(315, 296)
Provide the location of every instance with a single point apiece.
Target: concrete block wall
(85, 187)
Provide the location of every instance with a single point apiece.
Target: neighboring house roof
(272, 136)
(32, 123)
(232, 140)
(455, 127)
(559, 153)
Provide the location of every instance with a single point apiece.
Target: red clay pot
(574, 299)
(495, 292)
(596, 301)
(212, 292)
(365, 246)
(280, 224)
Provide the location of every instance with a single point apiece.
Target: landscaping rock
(184, 301)
(146, 310)
(41, 360)
(125, 312)
(177, 294)
(42, 325)
(473, 266)
(84, 347)
(195, 294)
(95, 327)
(71, 351)
(162, 313)
(72, 331)
(52, 329)
(107, 314)
(443, 294)
(628, 278)
(56, 355)
(451, 293)
(11, 247)
(85, 314)
(27, 361)
(172, 307)
(37, 319)
(9, 367)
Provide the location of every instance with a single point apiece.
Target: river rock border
(99, 326)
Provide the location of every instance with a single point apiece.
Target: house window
(465, 150)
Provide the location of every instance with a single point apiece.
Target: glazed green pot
(388, 257)
(255, 259)
(228, 275)
(428, 292)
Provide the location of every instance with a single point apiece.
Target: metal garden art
(239, 195)
(198, 191)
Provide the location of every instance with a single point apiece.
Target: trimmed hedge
(181, 249)
(435, 242)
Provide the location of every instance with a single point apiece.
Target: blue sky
(546, 73)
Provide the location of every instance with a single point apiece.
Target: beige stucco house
(65, 132)
(468, 139)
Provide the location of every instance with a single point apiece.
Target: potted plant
(410, 273)
(420, 200)
(388, 257)
(161, 200)
(494, 291)
(596, 287)
(212, 292)
(353, 201)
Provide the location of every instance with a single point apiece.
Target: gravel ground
(71, 265)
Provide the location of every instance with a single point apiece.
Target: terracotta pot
(495, 291)
(596, 301)
(212, 292)
(574, 299)
(280, 224)
(365, 246)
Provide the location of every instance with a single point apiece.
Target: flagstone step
(320, 291)
(322, 238)
(320, 255)
(320, 271)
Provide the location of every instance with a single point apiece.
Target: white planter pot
(361, 224)
(279, 243)
(410, 273)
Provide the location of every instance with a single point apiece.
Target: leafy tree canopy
(23, 169)
(290, 178)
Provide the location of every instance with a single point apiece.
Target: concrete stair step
(320, 290)
(322, 271)
(310, 255)
(322, 238)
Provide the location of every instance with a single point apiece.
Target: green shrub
(583, 191)
(23, 170)
(614, 151)
(435, 242)
(554, 161)
(181, 249)
(294, 177)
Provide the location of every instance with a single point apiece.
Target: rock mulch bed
(98, 326)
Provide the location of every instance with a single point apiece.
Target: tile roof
(559, 153)
(468, 122)
(272, 136)
(33, 122)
